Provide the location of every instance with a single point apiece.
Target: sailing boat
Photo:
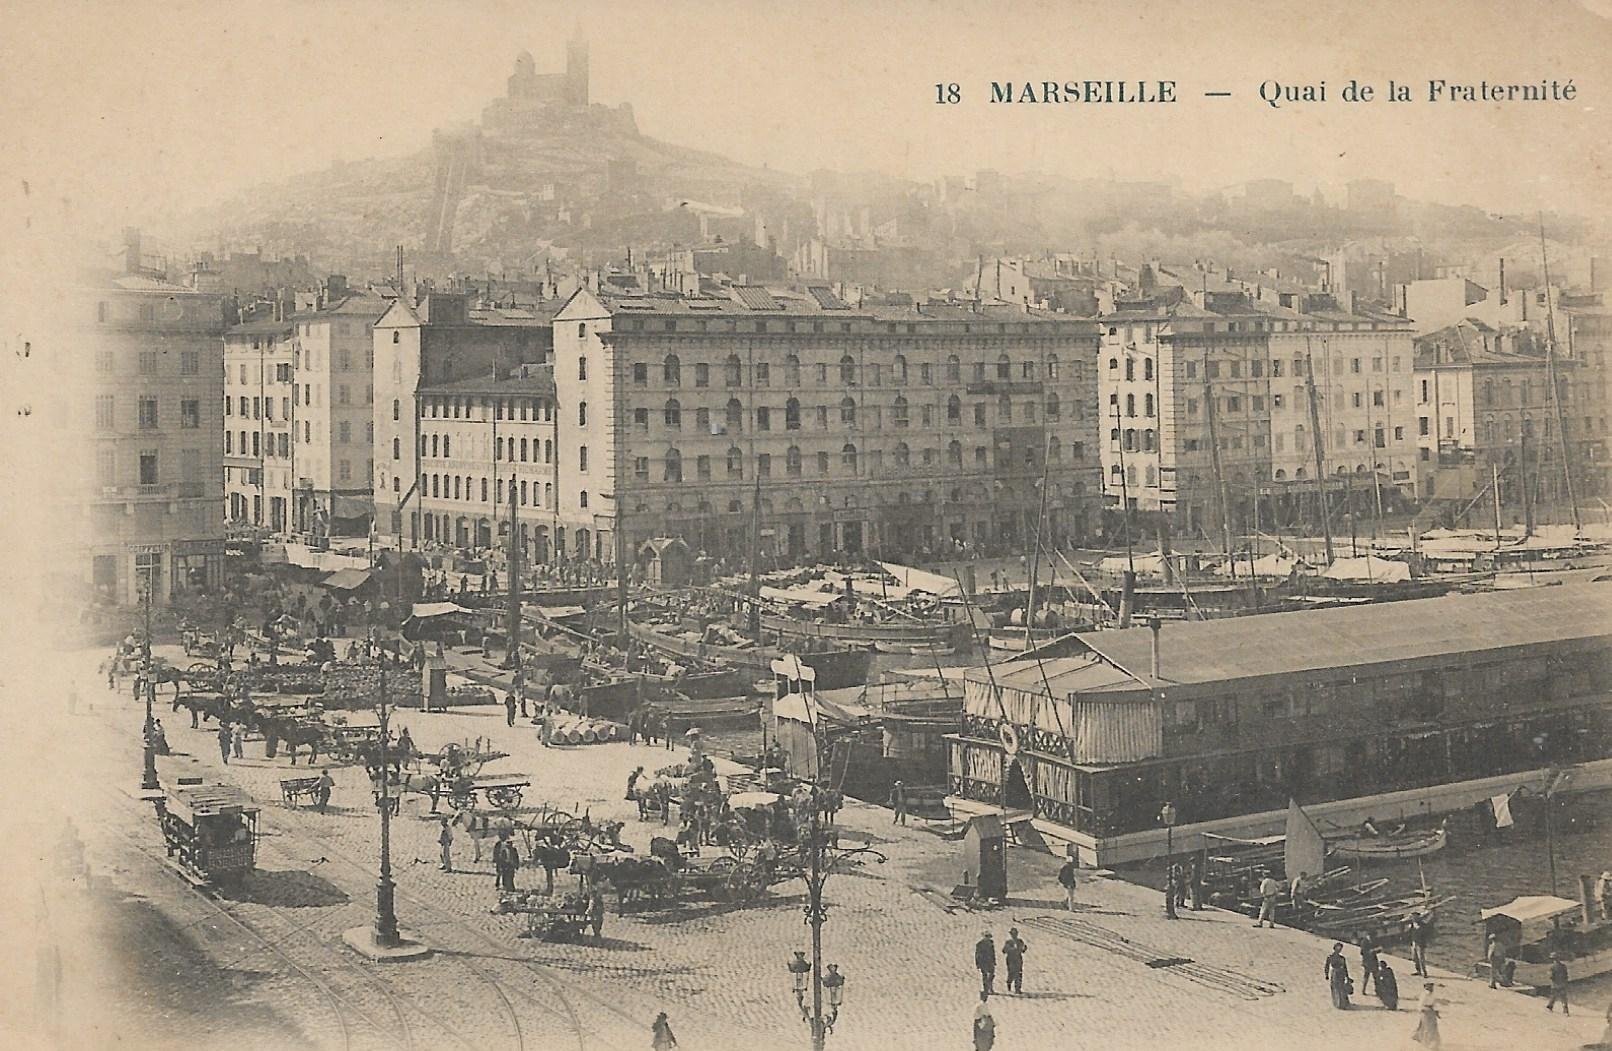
(1014, 641)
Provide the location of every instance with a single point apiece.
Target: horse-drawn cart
(564, 919)
(297, 790)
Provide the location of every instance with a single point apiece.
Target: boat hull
(835, 668)
(1379, 849)
(875, 635)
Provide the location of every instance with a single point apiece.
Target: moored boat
(1534, 931)
(835, 668)
(1391, 846)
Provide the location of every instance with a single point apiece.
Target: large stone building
(422, 343)
(879, 429)
(483, 441)
(1484, 405)
(333, 446)
(259, 411)
(150, 495)
(1207, 402)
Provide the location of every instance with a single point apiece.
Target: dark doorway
(1017, 791)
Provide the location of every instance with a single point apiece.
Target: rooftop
(1307, 641)
(539, 379)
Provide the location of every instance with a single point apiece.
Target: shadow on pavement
(289, 888)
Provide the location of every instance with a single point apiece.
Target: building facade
(888, 430)
(1214, 400)
(424, 342)
(1230, 718)
(259, 402)
(333, 350)
(483, 441)
(151, 495)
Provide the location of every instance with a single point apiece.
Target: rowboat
(1391, 847)
(1535, 931)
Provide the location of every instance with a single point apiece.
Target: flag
(1502, 811)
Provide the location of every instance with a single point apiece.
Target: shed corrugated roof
(1269, 644)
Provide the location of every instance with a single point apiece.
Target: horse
(480, 825)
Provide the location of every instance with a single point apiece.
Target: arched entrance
(1016, 793)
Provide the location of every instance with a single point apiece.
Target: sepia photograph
(735, 526)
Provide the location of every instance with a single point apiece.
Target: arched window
(1147, 368)
(848, 412)
(672, 371)
(484, 490)
(1130, 368)
(792, 461)
(1488, 392)
(734, 415)
(848, 456)
(436, 485)
(582, 414)
(1148, 440)
(1004, 367)
(792, 414)
(901, 411)
(673, 414)
(1130, 405)
(847, 370)
(792, 370)
(523, 450)
(1130, 439)
(903, 455)
(1004, 407)
(1113, 364)
(548, 450)
(954, 409)
(1299, 474)
(732, 371)
(1281, 475)
(674, 466)
(436, 445)
(397, 409)
(1130, 474)
(1052, 367)
(447, 445)
(1147, 405)
(735, 462)
(954, 454)
(457, 489)
(899, 368)
(954, 369)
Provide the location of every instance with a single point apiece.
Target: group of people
(1013, 951)
(1181, 882)
(1375, 973)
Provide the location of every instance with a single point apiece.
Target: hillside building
(259, 404)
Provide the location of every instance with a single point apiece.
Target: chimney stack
(132, 257)
(1154, 625)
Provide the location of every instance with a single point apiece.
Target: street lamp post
(1167, 817)
(386, 934)
(148, 778)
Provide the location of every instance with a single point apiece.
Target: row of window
(480, 490)
(847, 372)
(482, 408)
(150, 471)
(901, 414)
(850, 459)
(279, 445)
(150, 362)
(441, 445)
(149, 414)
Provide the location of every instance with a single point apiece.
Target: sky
(122, 111)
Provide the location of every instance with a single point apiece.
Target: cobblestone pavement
(717, 969)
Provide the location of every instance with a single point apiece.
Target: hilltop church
(530, 93)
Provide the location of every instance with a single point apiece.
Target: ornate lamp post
(1167, 819)
(148, 779)
(824, 861)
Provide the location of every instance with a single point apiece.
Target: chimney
(131, 250)
(1502, 281)
(1154, 626)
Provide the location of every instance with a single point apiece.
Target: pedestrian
(1171, 889)
(445, 843)
(545, 727)
(1295, 897)
(1269, 889)
(1558, 984)
(1180, 886)
(112, 674)
(661, 1038)
(1427, 1019)
(224, 741)
(596, 911)
(1368, 963)
(1387, 986)
(506, 859)
(509, 708)
(985, 960)
(1197, 884)
(1496, 955)
(898, 803)
(326, 783)
(984, 1025)
(238, 740)
(1336, 972)
(632, 787)
(1067, 880)
(1013, 952)
(1420, 935)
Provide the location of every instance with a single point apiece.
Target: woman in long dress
(1427, 1028)
(1336, 971)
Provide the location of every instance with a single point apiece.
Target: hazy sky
(129, 109)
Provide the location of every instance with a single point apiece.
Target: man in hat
(985, 960)
(898, 803)
(1013, 952)
(506, 859)
(1420, 935)
(1067, 880)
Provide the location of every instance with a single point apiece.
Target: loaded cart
(211, 831)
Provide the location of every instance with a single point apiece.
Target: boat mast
(755, 561)
(1035, 551)
(1494, 482)
(1220, 477)
(1320, 458)
(513, 627)
(1128, 591)
(1550, 376)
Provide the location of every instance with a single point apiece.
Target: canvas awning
(800, 596)
(561, 612)
(1368, 569)
(921, 580)
(1532, 908)
(426, 610)
(347, 579)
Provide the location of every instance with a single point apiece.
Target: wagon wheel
(462, 800)
(504, 798)
(745, 883)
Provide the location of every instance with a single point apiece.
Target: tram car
(211, 831)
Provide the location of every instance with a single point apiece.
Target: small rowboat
(936, 650)
(1391, 847)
